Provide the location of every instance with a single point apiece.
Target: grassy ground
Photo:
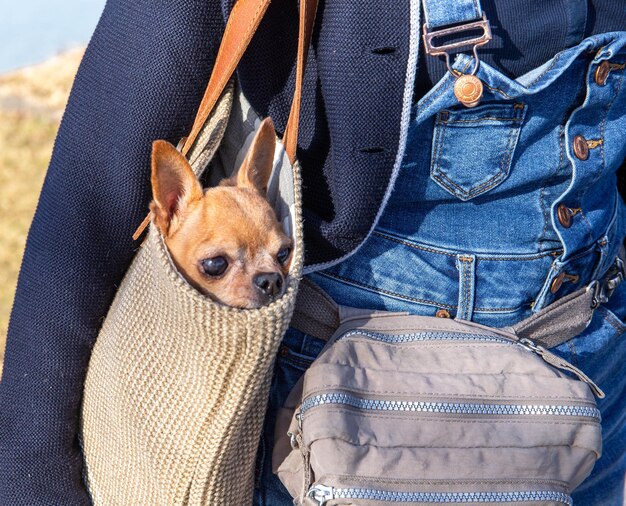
(31, 105)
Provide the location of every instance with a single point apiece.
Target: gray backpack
(401, 409)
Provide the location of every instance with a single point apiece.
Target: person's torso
(361, 83)
(503, 208)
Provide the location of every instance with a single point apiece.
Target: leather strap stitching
(214, 92)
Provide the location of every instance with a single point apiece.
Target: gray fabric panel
(558, 322)
(408, 448)
(316, 313)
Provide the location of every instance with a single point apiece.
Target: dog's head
(226, 241)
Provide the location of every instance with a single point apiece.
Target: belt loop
(466, 264)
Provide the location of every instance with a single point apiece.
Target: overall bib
(498, 211)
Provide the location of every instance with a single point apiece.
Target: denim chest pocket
(473, 148)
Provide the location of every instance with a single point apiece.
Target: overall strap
(440, 13)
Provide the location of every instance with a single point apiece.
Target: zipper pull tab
(295, 431)
(560, 363)
(321, 493)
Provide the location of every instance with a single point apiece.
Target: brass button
(557, 283)
(564, 214)
(581, 149)
(284, 351)
(602, 73)
(468, 89)
(442, 313)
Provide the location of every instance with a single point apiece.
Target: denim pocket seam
(387, 292)
(298, 364)
(475, 191)
(612, 320)
(440, 176)
(408, 298)
(296, 359)
(479, 120)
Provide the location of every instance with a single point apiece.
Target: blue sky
(33, 30)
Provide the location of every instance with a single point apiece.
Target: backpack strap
(315, 314)
(569, 316)
(318, 315)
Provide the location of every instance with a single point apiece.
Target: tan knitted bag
(177, 384)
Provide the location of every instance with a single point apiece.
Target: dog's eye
(283, 255)
(214, 266)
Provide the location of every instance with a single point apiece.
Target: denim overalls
(498, 211)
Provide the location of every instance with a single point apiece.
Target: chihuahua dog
(226, 241)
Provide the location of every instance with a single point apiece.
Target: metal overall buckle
(468, 89)
(604, 288)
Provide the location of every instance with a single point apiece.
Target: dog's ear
(256, 168)
(174, 185)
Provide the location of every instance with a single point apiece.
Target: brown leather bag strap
(242, 23)
(308, 9)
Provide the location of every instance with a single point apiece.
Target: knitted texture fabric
(142, 79)
(176, 391)
(177, 384)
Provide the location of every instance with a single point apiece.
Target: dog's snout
(270, 283)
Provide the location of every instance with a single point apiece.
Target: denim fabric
(472, 225)
(297, 352)
(443, 12)
(485, 184)
(490, 162)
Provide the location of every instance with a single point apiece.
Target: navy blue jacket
(142, 78)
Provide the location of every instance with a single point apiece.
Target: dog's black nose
(270, 283)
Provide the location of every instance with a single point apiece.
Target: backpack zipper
(452, 408)
(426, 336)
(527, 344)
(322, 494)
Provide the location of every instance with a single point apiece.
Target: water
(32, 31)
